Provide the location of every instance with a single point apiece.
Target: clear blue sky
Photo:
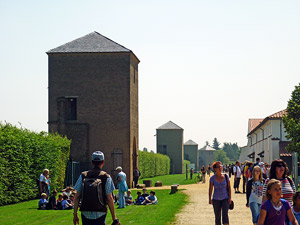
(208, 66)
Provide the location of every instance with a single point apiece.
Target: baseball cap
(98, 156)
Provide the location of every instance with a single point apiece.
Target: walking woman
(254, 192)
(278, 171)
(221, 198)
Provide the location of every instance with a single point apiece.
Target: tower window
(71, 108)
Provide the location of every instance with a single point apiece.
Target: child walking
(274, 210)
(296, 206)
(254, 189)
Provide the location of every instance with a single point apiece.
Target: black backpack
(93, 196)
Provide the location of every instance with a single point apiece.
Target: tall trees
(232, 150)
(216, 144)
(220, 155)
(291, 121)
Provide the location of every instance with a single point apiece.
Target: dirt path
(198, 211)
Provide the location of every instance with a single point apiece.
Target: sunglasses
(280, 165)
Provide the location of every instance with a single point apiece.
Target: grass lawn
(161, 214)
(171, 179)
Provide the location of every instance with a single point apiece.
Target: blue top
(152, 198)
(220, 189)
(297, 215)
(122, 185)
(42, 202)
(140, 199)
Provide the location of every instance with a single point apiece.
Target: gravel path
(198, 211)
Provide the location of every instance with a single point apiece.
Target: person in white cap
(94, 189)
(122, 186)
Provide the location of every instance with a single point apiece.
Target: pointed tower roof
(190, 142)
(92, 42)
(169, 126)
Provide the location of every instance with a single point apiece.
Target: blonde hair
(269, 187)
(260, 175)
(44, 194)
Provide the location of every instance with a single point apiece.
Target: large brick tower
(93, 100)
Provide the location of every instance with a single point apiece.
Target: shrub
(23, 156)
(153, 164)
(186, 165)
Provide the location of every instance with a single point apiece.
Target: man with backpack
(94, 190)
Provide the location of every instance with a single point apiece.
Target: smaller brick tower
(191, 153)
(169, 141)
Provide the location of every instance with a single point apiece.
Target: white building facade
(267, 139)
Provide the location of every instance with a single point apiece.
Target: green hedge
(23, 157)
(153, 164)
(186, 162)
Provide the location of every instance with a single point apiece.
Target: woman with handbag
(221, 198)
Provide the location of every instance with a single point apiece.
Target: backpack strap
(284, 203)
(291, 182)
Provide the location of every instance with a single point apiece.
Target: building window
(71, 108)
(162, 149)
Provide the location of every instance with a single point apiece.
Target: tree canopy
(221, 156)
(232, 150)
(291, 121)
(216, 144)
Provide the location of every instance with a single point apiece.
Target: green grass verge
(171, 179)
(161, 214)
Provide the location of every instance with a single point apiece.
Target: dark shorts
(98, 221)
(237, 183)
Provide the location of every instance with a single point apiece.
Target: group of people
(270, 193)
(203, 172)
(93, 194)
(65, 200)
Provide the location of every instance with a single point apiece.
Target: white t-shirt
(237, 170)
(43, 178)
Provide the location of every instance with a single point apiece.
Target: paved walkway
(198, 211)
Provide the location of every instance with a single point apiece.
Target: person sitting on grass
(43, 201)
(65, 204)
(151, 199)
(52, 201)
(145, 194)
(140, 199)
(128, 198)
(59, 201)
(71, 199)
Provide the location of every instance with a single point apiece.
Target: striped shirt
(287, 189)
(109, 188)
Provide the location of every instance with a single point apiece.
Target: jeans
(255, 207)
(221, 206)
(98, 221)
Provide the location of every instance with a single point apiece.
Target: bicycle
(198, 178)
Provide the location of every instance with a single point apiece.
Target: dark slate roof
(93, 42)
(169, 126)
(207, 148)
(190, 142)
